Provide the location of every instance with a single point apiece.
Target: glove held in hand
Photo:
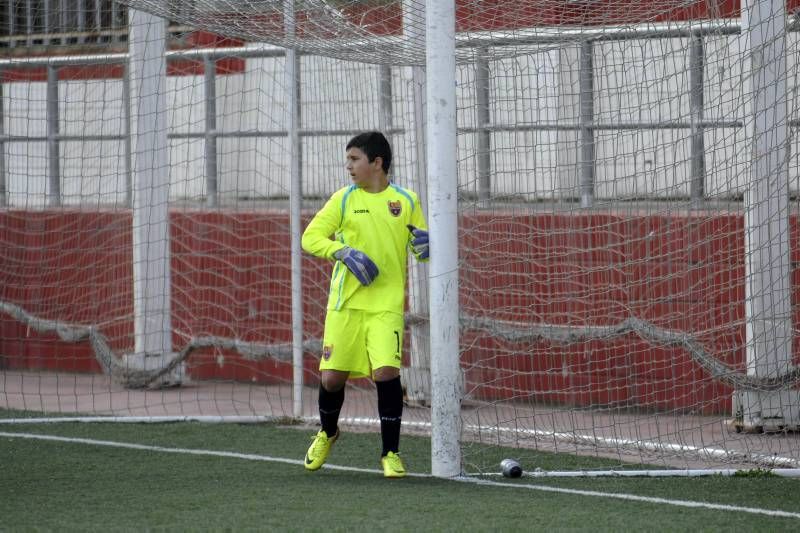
(419, 245)
(358, 263)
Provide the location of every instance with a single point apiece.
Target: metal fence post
(53, 157)
(10, 18)
(483, 141)
(385, 117)
(587, 154)
(3, 186)
(126, 132)
(210, 78)
(696, 65)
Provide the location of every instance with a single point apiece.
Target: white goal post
(446, 391)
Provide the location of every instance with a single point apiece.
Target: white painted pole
(768, 312)
(295, 204)
(417, 376)
(442, 198)
(151, 249)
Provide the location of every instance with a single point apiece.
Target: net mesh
(389, 31)
(617, 295)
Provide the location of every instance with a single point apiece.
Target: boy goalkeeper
(374, 224)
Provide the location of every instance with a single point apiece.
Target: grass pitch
(81, 486)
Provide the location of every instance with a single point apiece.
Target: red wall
(231, 278)
(682, 273)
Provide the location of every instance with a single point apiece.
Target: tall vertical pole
(698, 153)
(295, 204)
(127, 143)
(10, 20)
(115, 20)
(98, 16)
(29, 22)
(47, 30)
(568, 111)
(210, 79)
(53, 151)
(768, 309)
(3, 185)
(586, 77)
(483, 118)
(417, 375)
(385, 114)
(151, 246)
(446, 391)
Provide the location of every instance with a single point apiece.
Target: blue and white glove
(419, 245)
(358, 263)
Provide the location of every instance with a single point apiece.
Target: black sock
(390, 410)
(330, 404)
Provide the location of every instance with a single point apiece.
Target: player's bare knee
(385, 373)
(333, 380)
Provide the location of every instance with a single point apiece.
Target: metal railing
(208, 56)
(586, 125)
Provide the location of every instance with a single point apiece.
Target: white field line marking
(770, 461)
(482, 482)
(188, 451)
(634, 497)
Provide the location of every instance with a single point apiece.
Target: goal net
(627, 219)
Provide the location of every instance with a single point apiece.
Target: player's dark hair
(373, 144)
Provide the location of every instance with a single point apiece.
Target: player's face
(361, 170)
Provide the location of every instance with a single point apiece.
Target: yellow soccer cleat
(318, 451)
(393, 465)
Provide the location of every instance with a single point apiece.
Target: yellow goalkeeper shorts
(359, 341)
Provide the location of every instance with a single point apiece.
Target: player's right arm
(317, 236)
(317, 241)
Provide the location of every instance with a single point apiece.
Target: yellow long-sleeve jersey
(374, 223)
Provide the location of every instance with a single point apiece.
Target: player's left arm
(418, 238)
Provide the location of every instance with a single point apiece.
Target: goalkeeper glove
(419, 245)
(358, 263)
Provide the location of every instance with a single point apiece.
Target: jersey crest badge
(395, 208)
(326, 352)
